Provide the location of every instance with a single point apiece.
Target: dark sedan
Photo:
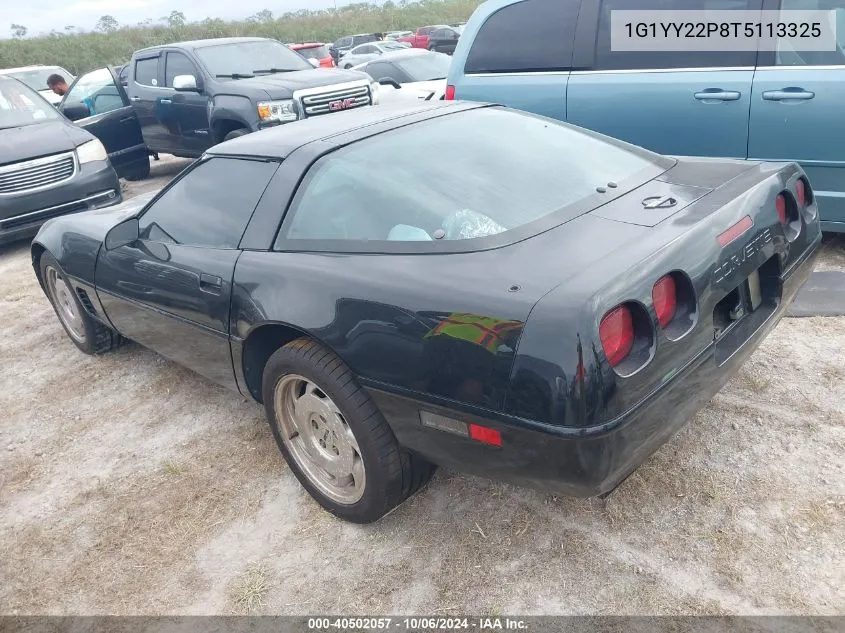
(445, 40)
(48, 166)
(548, 306)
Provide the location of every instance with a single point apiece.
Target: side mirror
(389, 81)
(185, 83)
(75, 111)
(123, 234)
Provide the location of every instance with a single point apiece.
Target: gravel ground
(129, 485)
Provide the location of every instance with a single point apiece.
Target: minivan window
(458, 184)
(534, 35)
(97, 91)
(786, 56)
(37, 78)
(20, 105)
(210, 206)
(607, 59)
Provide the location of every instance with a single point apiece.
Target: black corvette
(517, 298)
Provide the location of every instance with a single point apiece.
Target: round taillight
(801, 193)
(665, 300)
(780, 207)
(617, 334)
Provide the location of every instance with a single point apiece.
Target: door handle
(134, 98)
(787, 94)
(165, 101)
(718, 95)
(211, 283)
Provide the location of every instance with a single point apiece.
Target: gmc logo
(735, 262)
(342, 104)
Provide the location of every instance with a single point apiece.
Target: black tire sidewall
(377, 494)
(235, 134)
(87, 322)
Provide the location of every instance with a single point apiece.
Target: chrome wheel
(65, 303)
(319, 439)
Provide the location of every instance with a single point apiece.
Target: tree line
(113, 43)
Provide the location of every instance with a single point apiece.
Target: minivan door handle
(788, 94)
(135, 98)
(165, 101)
(211, 283)
(714, 94)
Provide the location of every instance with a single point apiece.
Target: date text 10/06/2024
(417, 624)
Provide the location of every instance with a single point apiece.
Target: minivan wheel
(334, 439)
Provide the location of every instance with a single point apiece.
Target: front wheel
(87, 334)
(335, 440)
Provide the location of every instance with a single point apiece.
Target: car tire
(321, 418)
(140, 171)
(235, 134)
(89, 335)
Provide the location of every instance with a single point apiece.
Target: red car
(318, 54)
(421, 37)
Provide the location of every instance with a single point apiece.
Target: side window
(97, 91)
(606, 59)
(364, 50)
(210, 206)
(439, 34)
(178, 64)
(786, 56)
(535, 35)
(146, 71)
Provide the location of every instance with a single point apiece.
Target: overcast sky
(45, 15)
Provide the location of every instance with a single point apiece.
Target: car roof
(280, 141)
(403, 53)
(216, 41)
(307, 45)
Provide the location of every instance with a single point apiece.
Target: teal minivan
(553, 57)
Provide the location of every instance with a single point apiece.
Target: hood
(283, 85)
(423, 90)
(40, 139)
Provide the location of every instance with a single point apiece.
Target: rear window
(534, 35)
(475, 174)
(314, 52)
(146, 71)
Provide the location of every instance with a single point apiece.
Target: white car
(36, 78)
(409, 74)
(370, 51)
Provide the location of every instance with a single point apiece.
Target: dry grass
(250, 588)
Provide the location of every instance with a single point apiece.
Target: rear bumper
(585, 462)
(95, 185)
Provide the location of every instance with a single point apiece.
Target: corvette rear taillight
(616, 331)
(450, 93)
(665, 299)
(801, 193)
(780, 207)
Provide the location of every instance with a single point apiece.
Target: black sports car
(520, 298)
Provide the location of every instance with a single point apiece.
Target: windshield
(392, 46)
(425, 67)
(21, 106)
(37, 78)
(314, 52)
(244, 58)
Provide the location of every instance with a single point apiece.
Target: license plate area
(751, 302)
